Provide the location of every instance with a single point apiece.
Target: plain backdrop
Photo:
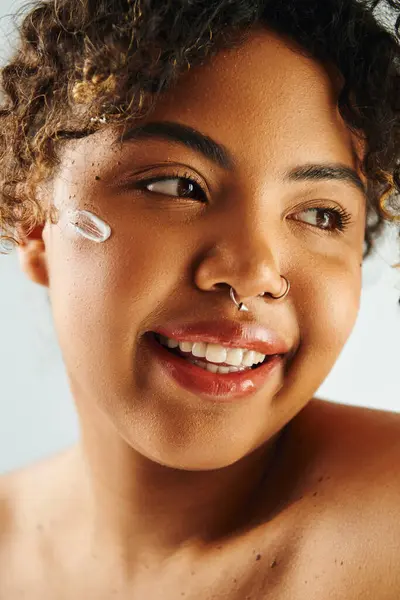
(37, 414)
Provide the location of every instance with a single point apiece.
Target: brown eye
(327, 219)
(180, 187)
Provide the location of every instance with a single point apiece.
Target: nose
(244, 258)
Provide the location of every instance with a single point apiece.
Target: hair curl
(80, 59)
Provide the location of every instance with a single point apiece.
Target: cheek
(103, 296)
(330, 312)
(326, 302)
(327, 306)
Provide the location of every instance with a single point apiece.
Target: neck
(147, 509)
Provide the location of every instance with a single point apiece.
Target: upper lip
(234, 335)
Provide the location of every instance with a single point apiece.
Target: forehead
(263, 95)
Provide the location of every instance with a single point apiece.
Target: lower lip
(214, 385)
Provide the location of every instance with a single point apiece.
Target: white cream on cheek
(88, 225)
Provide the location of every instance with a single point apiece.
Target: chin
(202, 457)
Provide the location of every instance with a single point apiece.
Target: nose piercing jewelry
(243, 307)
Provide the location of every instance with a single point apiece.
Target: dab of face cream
(90, 226)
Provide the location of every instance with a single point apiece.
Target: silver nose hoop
(243, 307)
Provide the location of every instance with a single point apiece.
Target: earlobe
(32, 255)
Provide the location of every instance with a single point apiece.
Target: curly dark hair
(78, 60)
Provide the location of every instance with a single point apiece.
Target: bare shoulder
(355, 434)
(20, 493)
(15, 534)
(358, 446)
(11, 485)
(351, 496)
(24, 491)
(30, 498)
(6, 506)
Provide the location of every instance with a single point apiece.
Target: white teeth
(185, 346)
(250, 358)
(234, 357)
(172, 343)
(216, 353)
(215, 368)
(210, 367)
(168, 342)
(199, 349)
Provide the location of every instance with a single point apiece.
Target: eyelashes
(342, 217)
(191, 186)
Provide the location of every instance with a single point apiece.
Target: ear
(32, 255)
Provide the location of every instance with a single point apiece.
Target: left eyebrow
(326, 171)
(221, 156)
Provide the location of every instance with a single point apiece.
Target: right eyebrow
(220, 155)
(182, 134)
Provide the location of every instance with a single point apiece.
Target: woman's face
(171, 258)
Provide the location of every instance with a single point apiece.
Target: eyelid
(317, 202)
(327, 203)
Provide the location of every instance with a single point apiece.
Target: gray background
(37, 415)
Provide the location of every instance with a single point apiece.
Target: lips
(227, 333)
(215, 387)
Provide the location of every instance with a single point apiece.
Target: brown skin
(167, 495)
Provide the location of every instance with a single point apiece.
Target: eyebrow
(221, 156)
